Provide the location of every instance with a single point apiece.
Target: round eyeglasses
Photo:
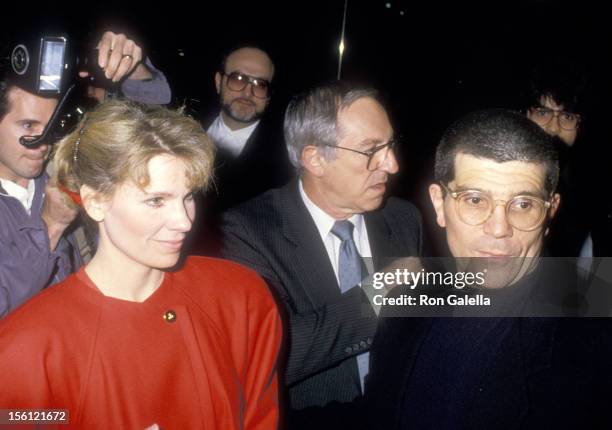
(237, 81)
(543, 116)
(524, 213)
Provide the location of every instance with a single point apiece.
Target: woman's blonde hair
(115, 142)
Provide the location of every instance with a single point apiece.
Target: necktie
(350, 264)
(351, 270)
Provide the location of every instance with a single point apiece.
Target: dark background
(434, 60)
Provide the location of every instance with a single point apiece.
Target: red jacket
(200, 352)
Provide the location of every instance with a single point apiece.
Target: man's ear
(554, 207)
(218, 82)
(313, 161)
(94, 203)
(436, 194)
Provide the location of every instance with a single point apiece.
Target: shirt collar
(230, 140)
(244, 131)
(324, 221)
(24, 195)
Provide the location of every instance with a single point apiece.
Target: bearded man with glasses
(251, 157)
(243, 85)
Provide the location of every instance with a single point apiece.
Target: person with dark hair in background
(35, 215)
(557, 103)
(309, 239)
(496, 174)
(136, 337)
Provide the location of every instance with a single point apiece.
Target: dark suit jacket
(263, 164)
(543, 373)
(275, 235)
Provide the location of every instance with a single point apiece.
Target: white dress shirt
(325, 223)
(24, 195)
(232, 141)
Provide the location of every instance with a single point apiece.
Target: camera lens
(20, 59)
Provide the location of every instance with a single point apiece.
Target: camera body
(42, 66)
(48, 66)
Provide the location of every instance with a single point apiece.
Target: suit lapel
(250, 150)
(312, 266)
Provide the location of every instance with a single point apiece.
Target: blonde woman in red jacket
(138, 339)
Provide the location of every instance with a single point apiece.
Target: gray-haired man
(308, 238)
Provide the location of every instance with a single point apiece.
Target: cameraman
(35, 249)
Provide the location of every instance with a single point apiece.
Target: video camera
(48, 66)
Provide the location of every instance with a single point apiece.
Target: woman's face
(148, 226)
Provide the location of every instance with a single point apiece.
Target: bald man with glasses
(251, 157)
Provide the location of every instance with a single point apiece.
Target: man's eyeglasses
(543, 116)
(371, 153)
(237, 81)
(524, 213)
